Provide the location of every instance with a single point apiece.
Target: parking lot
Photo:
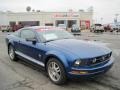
(22, 76)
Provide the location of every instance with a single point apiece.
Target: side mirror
(33, 40)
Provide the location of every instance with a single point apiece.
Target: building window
(30, 23)
(48, 24)
(60, 22)
(12, 23)
(71, 22)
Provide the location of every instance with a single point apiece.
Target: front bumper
(90, 72)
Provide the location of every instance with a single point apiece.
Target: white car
(115, 27)
(4, 28)
(118, 28)
(97, 28)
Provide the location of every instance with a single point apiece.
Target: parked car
(97, 28)
(118, 28)
(115, 28)
(63, 26)
(59, 53)
(107, 27)
(75, 30)
(5, 28)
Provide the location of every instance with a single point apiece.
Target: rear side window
(27, 34)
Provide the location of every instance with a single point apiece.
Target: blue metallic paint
(66, 50)
(92, 71)
(60, 56)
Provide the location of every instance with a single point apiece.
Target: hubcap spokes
(54, 71)
(11, 53)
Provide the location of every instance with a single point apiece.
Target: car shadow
(75, 84)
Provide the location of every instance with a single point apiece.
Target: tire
(11, 53)
(58, 75)
(111, 31)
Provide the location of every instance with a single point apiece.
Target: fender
(10, 40)
(58, 55)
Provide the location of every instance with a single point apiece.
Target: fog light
(79, 72)
(75, 72)
(83, 72)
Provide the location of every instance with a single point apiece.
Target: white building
(81, 18)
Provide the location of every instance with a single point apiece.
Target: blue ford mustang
(59, 53)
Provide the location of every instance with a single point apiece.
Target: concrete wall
(3, 19)
(43, 17)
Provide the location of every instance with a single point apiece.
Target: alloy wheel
(11, 53)
(54, 71)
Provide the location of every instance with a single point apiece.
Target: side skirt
(30, 58)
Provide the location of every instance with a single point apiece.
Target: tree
(28, 8)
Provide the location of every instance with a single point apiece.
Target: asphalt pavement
(23, 76)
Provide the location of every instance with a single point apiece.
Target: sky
(105, 9)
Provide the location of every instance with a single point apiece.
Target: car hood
(80, 48)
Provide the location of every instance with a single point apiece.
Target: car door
(16, 37)
(27, 48)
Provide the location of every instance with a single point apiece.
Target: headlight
(77, 63)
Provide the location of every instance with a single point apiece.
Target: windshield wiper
(51, 40)
(56, 39)
(67, 38)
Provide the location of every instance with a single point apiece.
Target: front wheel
(11, 53)
(56, 71)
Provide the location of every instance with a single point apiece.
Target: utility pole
(116, 17)
(101, 20)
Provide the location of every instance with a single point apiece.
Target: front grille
(99, 59)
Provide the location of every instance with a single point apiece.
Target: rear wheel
(11, 53)
(56, 71)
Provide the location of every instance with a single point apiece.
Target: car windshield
(51, 35)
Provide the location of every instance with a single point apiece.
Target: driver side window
(27, 34)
